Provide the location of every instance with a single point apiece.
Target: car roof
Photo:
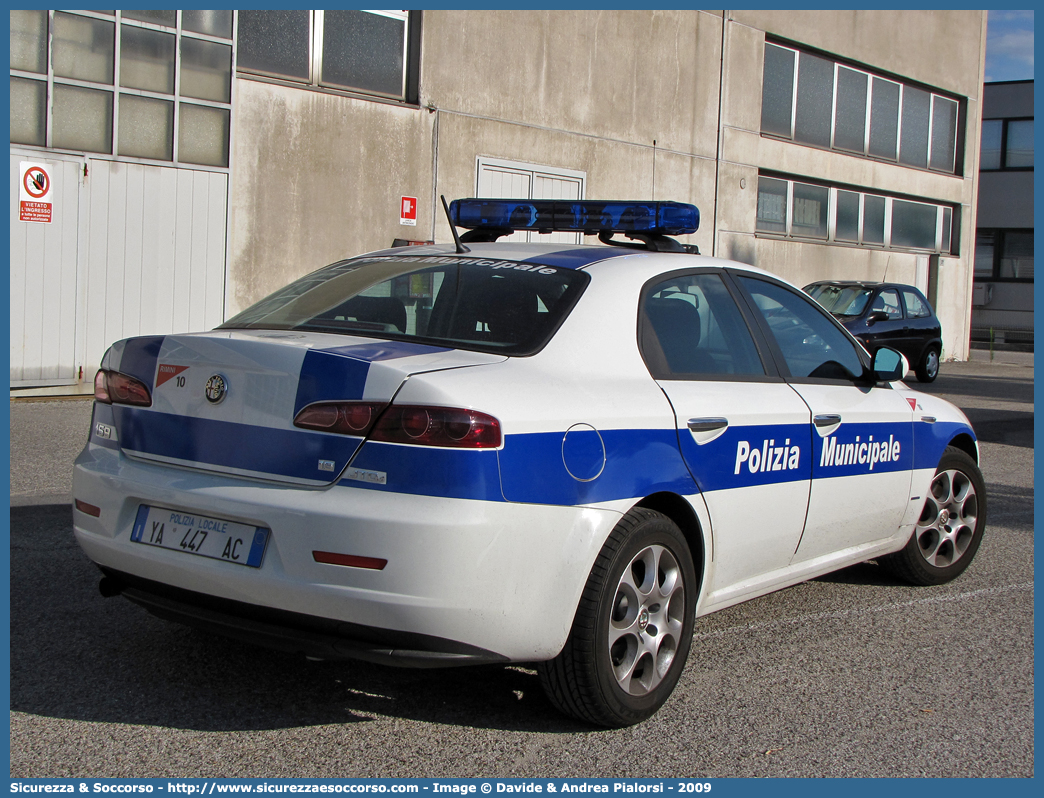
(861, 284)
(578, 256)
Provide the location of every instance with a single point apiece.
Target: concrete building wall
(317, 177)
(945, 50)
(631, 76)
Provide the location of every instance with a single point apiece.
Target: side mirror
(876, 316)
(889, 365)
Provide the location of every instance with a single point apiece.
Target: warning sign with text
(34, 193)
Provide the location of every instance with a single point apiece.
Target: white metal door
(510, 180)
(156, 257)
(45, 278)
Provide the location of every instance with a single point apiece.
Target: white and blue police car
(505, 452)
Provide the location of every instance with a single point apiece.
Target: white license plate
(203, 536)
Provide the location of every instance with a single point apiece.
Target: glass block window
(29, 41)
(799, 210)
(153, 85)
(353, 50)
(814, 100)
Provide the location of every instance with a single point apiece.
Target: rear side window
(916, 308)
(691, 327)
(485, 305)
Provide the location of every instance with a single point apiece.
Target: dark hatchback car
(886, 314)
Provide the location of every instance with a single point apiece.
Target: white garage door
(511, 180)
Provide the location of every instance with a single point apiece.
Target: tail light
(414, 424)
(112, 387)
(437, 426)
(344, 418)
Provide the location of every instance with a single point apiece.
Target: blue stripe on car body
(330, 375)
(772, 453)
(931, 440)
(286, 453)
(140, 356)
(637, 463)
(429, 471)
(385, 350)
(578, 258)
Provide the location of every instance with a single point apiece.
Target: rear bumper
(491, 580)
(323, 638)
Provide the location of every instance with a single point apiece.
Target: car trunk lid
(225, 401)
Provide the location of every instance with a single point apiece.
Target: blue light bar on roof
(578, 216)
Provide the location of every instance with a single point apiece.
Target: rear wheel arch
(681, 513)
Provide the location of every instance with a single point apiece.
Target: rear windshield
(841, 300)
(480, 304)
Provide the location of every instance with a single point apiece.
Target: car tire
(614, 671)
(928, 366)
(950, 528)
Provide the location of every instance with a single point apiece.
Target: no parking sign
(34, 193)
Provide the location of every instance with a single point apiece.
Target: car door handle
(705, 430)
(826, 420)
(707, 424)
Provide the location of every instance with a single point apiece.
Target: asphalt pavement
(852, 674)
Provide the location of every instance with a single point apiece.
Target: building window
(1004, 255)
(1006, 144)
(352, 50)
(813, 100)
(130, 83)
(810, 211)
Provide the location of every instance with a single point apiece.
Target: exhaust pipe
(109, 587)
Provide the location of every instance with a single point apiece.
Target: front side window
(467, 303)
(691, 327)
(887, 302)
(811, 343)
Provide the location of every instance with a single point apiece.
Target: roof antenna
(461, 249)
